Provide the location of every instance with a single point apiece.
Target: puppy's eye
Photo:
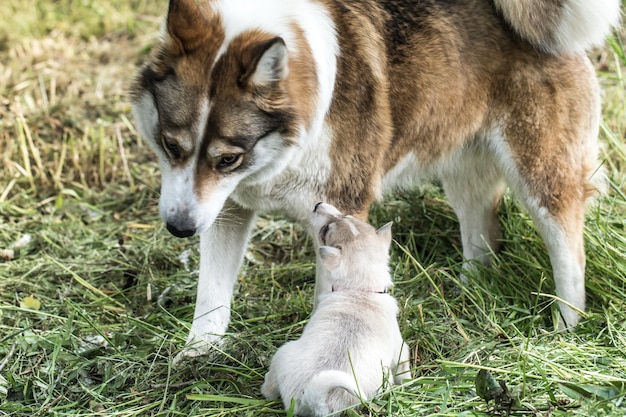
(229, 161)
(323, 233)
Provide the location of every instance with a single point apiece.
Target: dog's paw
(469, 269)
(189, 354)
(196, 347)
(567, 317)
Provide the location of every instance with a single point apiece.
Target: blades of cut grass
(101, 155)
(225, 399)
(58, 172)
(7, 190)
(221, 398)
(89, 321)
(118, 308)
(44, 95)
(34, 150)
(617, 145)
(21, 135)
(423, 271)
(120, 144)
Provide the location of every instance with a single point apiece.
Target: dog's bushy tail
(561, 26)
(318, 398)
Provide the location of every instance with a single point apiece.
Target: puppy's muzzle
(326, 209)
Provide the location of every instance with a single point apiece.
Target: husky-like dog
(274, 105)
(352, 342)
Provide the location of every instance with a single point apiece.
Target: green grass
(116, 297)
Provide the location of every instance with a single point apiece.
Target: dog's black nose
(316, 206)
(177, 231)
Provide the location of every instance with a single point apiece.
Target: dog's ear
(330, 256)
(384, 234)
(265, 63)
(186, 25)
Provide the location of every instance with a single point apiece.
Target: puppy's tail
(320, 397)
(561, 26)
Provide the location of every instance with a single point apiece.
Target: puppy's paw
(269, 389)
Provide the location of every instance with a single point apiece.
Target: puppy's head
(216, 103)
(355, 253)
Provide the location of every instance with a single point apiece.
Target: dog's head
(222, 101)
(354, 252)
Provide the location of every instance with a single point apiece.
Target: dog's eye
(172, 148)
(229, 161)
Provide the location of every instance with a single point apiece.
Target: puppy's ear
(384, 234)
(265, 63)
(331, 257)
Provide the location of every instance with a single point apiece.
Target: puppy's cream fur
(352, 342)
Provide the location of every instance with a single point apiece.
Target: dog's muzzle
(181, 225)
(179, 231)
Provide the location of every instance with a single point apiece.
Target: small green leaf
(221, 398)
(30, 303)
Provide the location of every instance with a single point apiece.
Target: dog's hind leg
(474, 186)
(554, 195)
(562, 232)
(549, 156)
(222, 248)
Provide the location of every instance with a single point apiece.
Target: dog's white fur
(212, 310)
(574, 27)
(473, 159)
(352, 342)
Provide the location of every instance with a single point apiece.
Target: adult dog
(258, 105)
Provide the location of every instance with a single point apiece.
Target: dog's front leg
(222, 248)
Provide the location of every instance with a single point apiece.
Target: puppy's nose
(317, 206)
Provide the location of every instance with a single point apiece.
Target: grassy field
(96, 297)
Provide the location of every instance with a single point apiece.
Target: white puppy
(352, 344)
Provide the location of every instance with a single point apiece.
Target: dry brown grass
(64, 116)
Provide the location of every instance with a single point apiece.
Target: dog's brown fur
(471, 92)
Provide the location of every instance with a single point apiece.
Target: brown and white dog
(274, 105)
